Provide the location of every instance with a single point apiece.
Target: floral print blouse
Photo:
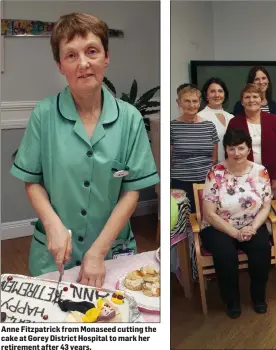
(238, 198)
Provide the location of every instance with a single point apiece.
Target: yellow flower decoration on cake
(118, 297)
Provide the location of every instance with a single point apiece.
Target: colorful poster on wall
(25, 27)
(20, 27)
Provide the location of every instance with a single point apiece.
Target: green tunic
(78, 172)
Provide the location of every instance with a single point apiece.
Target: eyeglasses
(190, 85)
(183, 86)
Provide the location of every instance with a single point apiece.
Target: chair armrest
(273, 205)
(272, 217)
(194, 223)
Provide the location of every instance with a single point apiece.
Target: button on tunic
(78, 172)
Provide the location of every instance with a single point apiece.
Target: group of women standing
(232, 154)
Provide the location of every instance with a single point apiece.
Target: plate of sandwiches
(144, 286)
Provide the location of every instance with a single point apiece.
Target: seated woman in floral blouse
(236, 204)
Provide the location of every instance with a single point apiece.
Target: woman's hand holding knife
(59, 243)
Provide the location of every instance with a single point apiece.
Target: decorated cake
(28, 299)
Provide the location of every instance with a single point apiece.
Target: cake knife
(62, 270)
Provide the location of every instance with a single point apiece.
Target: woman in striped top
(194, 143)
(260, 78)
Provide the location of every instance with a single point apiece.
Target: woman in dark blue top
(259, 76)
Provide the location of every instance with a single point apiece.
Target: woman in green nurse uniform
(84, 157)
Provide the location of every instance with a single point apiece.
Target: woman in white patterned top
(236, 204)
(214, 95)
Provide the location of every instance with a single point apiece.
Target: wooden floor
(15, 252)
(191, 330)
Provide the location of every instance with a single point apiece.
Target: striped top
(192, 149)
(265, 108)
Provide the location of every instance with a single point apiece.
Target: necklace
(254, 129)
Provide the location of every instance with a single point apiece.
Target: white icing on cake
(27, 299)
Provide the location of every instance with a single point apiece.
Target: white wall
(191, 39)
(219, 30)
(244, 30)
(30, 71)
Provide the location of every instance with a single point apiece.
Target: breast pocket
(117, 172)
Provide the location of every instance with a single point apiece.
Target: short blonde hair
(188, 88)
(77, 23)
(251, 88)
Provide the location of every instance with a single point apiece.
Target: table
(180, 241)
(114, 270)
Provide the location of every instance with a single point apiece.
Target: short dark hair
(74, 24)
(218, 81)
(251, 77)
(235, 137)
